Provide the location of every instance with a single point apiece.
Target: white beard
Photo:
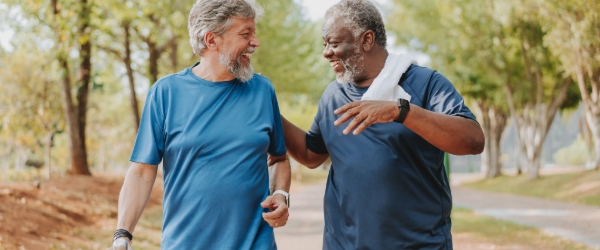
(235, 66)
(351, 71)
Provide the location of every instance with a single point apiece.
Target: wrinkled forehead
(336, 28)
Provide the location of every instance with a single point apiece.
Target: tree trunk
(593, 122)
(533, 123)
(173, 57)
(75, 114)
(497, 126)
(493, 123)
(127, 61)
(534, 164)
(153, 62)
(47, 148)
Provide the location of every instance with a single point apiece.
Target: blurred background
(74, 76)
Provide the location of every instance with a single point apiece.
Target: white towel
(385, 87)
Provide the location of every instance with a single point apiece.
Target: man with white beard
(387, 187)
(212, 126)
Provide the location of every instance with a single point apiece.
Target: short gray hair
(216, 16)
(361, 16)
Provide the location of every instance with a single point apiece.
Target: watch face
(404, 103)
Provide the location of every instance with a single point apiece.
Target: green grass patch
(505, 233)
(581, 187)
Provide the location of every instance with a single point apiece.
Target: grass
(581, 187)
(505, 233)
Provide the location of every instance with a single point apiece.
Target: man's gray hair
(361, 16)
(217, 16)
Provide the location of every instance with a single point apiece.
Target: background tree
(456, 35)
(573, 27)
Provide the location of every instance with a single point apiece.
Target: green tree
(455, 35)
(494, 45)
(573, 27)
(29, 103)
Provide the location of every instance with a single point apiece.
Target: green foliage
(290, 54)
(574, 154)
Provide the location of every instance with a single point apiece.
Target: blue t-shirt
(387, 187)
(213, 138)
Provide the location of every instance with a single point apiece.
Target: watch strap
(404, 107)
(284, 193)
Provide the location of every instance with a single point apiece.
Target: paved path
(304, 229)
(576, 222)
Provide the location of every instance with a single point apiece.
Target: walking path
(304, 229)
(579, 223)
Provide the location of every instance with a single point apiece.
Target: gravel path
(304, 229)
(579, 223)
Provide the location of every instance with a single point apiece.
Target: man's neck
(211, 70)
(374, 62)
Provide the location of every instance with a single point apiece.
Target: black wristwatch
(404, 106)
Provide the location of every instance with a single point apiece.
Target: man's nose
(254, 41)
(327, 52)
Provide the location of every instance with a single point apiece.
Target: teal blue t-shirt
(213, 139)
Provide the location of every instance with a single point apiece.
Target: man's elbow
(478, 144)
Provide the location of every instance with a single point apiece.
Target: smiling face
(342, 49)
(236, 47)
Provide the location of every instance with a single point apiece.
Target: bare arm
(295, 142)
(281, 177)
(135, 194)
(453, 134)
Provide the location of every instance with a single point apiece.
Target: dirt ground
(81, 212)
(64, 213)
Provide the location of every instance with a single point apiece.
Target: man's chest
(213, 124)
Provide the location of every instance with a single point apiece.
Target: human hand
(365, 114)
(122, 243)
(279, 211)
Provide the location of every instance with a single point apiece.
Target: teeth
(249, 55)
(333, 63)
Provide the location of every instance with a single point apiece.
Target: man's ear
(368, 40)
(211, 40)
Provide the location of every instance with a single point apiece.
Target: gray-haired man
(212, 126)
(387, 188)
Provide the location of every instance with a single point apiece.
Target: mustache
(249, 50)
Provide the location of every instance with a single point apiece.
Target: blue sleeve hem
(145, 161)
(315, 144)
(277, 154)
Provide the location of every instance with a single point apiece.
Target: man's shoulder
(417, 73)
(419, 77)
(261, 82)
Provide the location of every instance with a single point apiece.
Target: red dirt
(53, 215)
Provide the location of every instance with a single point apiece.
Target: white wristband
(284, 193)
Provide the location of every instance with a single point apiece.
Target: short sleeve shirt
(387, 187)
(213, 139)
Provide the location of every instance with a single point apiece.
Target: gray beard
(351, 71)
(235, 66)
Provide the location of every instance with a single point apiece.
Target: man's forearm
(453, 134)
(295, 140)
(295, 143)
(281, 175)
(135, 194)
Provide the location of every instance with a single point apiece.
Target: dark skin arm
(295, 142)
(453, 134)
